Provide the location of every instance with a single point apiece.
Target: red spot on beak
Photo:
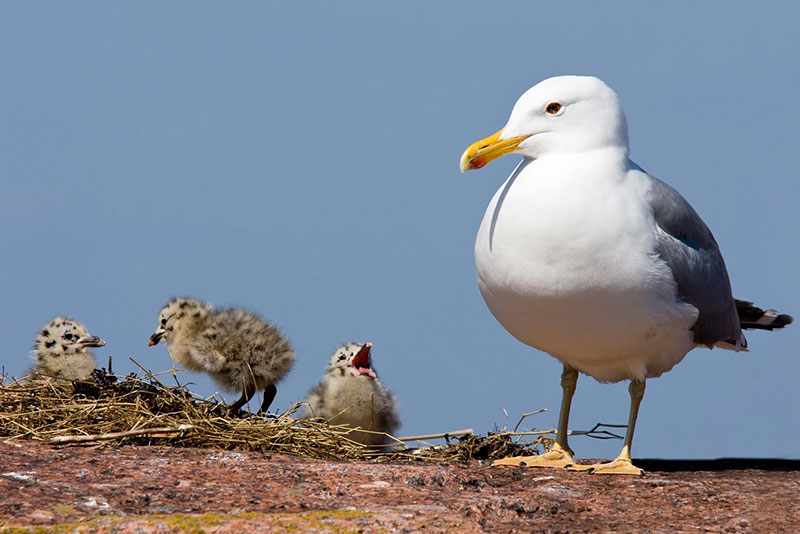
(478, 162)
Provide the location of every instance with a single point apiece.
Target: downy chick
(61, 350)
(352, 394)
(239, 350)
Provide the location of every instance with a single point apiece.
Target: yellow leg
(622, 465)
(559, 455)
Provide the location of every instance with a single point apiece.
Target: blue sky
(301, 160)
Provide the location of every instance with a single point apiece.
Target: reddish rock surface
(166, 489)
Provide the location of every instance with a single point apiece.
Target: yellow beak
(489, 149)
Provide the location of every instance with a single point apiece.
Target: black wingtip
(754, 318)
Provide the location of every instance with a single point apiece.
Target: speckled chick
(352, 394)
(61, 350)
(239, 350)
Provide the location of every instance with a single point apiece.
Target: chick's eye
(553, 108)
(68, 336)
(163, 322)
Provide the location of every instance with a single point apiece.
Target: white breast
(564, 262)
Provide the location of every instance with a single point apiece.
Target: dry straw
(144, 411)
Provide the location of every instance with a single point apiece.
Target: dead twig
(60, 440)
(443, 435)
(516, 427)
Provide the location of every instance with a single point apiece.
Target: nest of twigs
(144, 411)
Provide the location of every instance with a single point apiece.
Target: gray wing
(691, 252)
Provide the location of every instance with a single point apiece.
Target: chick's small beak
(362, 361)
(486, 150)
(155, 339)
(91, 341)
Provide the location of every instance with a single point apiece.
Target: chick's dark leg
(247, 394)
(269, 395)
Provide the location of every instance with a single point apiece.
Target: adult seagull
(585, 256)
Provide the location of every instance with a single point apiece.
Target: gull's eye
(68, 336)
(163, 322)
(553, 108)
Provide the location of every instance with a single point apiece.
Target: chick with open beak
(352, 394)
